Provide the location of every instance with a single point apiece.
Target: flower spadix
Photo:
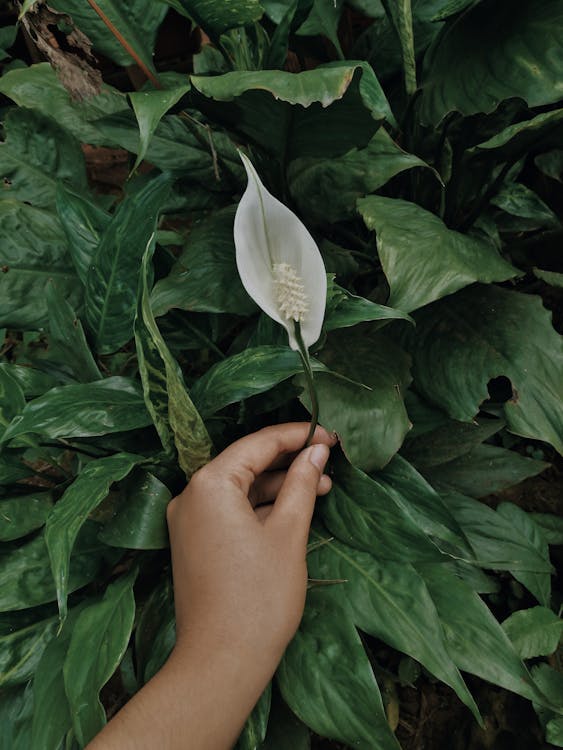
(279, 262)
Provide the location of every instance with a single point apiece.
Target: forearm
(200, 699)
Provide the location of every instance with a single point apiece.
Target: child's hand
(239, 565)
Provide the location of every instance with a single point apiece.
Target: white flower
(279, 262)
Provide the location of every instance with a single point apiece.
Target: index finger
(251, 455)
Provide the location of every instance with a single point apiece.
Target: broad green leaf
(285, 730)
(7, 38)
(495, 52)
(551, 164)
(484, 470)
(423, 259)
(550, 525)
(113, 276)
(447, 441)
(39, 88)
(12, 399)
(176, 419)
(534, 632)
(70, 513)
(136, 22)
(369, 515)
(475, 640)
(106, 627)
(438, 10)
(67, 340)
(518, 200)
(32, 251)
(12, 469)
(25, 574)
(21, 650)
(149, 107)
(83, 223)
(16, 709)
(550, 682)
(205, 276)
(326, 679)
(51, 717)
(182, 146)
(495, 540)
(262, 107)
(254, 730)
(33, 382)
(111, 405)
(389, 601)
(216, 16)
(253, 371)
(139, 521)
(550, 277)
(19, 515)
(368, 414)
(345, 309)
(526, 530)
(35, 154)
(326, 189)
(155, 634)
(508, 332)
(324, 19)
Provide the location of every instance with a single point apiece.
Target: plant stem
(304, 353)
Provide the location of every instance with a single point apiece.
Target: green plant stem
(303, 351)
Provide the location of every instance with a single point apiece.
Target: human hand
(239, 565)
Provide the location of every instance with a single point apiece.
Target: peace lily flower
(281, 268)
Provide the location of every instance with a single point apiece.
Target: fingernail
(318, 456)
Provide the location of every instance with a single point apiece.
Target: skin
(238, 537)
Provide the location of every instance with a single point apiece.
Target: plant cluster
(421, 145)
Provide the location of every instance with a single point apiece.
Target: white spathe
(278, 261)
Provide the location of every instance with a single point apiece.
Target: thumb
(296, 499)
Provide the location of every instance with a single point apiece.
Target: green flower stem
(303, 351)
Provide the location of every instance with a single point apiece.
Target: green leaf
(139, 521)
(401, 17)
(368, 414)
(32, 382)
(113, 277)
(254, 730)
(493, 53)
(551, 526)
(177, 420)
(496, 542)
(550, 277)
(111, 405)
(25, 574)
(475, 640)
(83, 223)
(16, 708)
(12, 399)
(216, 16)
(324, 19)
(484, 470)
(21, 649)
(525, 529)
(243, 375)
(13, 470)
(455, 356)
(534, 632)
(205, 276)
(326, 679)
(35, 154)
(262, 107)
(326, 189)
(518, 200)
(33, 251)
(389, 601)
(345, 309)
(19, 515)
(155, 634)
(369, 515)
(551, 164)
(150, 107)
(137, 23)
(67, 341)
(7, 38)
(106, 627)
(39, 88)
(70, 513)
(285, 730)
(423, 259)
